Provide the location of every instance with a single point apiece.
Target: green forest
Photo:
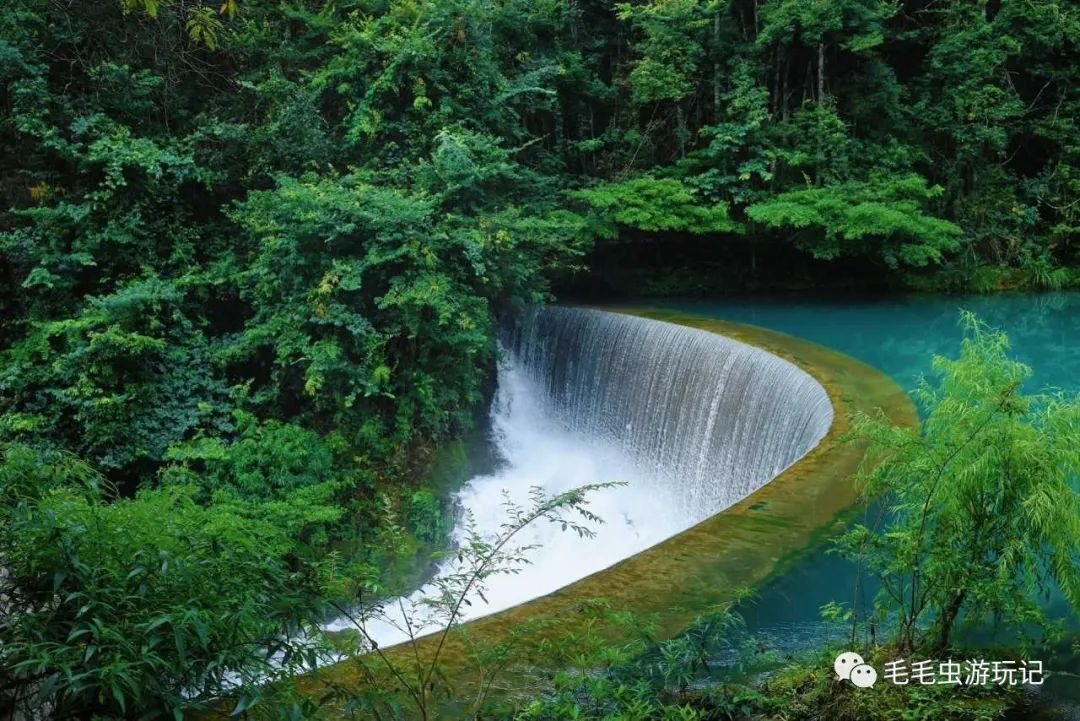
(255, 256)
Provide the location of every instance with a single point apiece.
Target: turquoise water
(900, 336)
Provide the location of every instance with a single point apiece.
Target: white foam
(536, 451)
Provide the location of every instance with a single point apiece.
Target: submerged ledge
(682, 577)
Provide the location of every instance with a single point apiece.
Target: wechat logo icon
(851, 667)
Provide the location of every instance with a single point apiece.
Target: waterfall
(689, 420)
(706, 419)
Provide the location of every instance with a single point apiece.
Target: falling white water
(691, 421)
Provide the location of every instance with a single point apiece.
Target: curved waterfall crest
(707, 417)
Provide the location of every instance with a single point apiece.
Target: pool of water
(900, 336)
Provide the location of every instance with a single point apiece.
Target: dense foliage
(253, 257)
(246, 286)
(981, 515)
(141, 607)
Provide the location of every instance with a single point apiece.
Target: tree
(884, 218)
(654, 205)
(980, 516)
